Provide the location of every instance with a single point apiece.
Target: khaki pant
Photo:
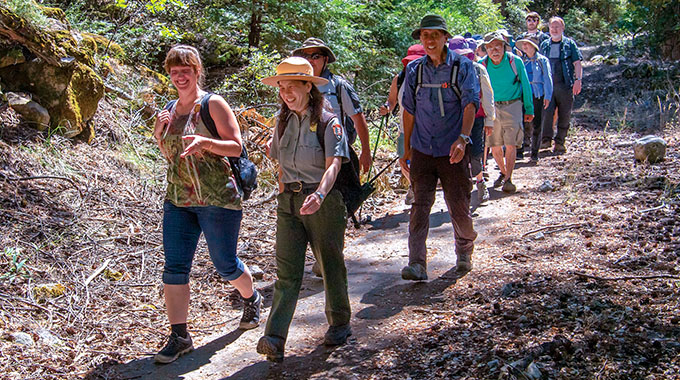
(508, 128)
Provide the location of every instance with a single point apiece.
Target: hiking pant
(563, 99)
(455, 179)
(325, 231)
(533, 129)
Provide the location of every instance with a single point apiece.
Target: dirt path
(378, 297)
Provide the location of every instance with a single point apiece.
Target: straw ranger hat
(294, 68)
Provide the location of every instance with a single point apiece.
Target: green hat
(313, 42)
(430, 22)
(493, 36)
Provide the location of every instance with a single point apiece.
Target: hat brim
(416, 33)
(410, 58)
(326, 50)
(522, 42)
(274, 80)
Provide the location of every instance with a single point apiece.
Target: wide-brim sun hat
(294, 68)
(414, 52)
(431, 22)
(523, 41)
(313, 42)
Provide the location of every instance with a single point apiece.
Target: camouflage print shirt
(203, 179)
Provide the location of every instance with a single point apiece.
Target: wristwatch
(466, 138)
(319, 194)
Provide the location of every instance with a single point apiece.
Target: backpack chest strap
(453, 84)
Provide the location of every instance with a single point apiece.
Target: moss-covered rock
(70, 94)
(11, 56)
(106, 46)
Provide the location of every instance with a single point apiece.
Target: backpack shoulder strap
(455, 86)
(513, 66)
(170, 104)
(419, 78)
(326, 118)
(205, 116)
(485, 61)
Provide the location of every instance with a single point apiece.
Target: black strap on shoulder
(326, 118)
(205, 116)
(454, 77)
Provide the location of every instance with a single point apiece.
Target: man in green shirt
(511, 88)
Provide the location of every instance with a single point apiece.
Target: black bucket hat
(430, 22)
(313, 42)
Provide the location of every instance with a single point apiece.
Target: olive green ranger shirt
(299, 151)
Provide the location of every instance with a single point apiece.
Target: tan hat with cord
(294, 68)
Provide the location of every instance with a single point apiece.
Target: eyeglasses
(534, 19)
(313, 56)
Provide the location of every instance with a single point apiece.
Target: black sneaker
(176, 347)
(251, 313)
(499, 181)
(337, 335)
(272, 346)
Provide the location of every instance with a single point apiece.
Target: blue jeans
(182, 226)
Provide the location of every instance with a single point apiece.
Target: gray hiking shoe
(546, 144)
(414, 272)
(559, 148)
(508, 186)
(176, 347)
(251, 313)
(410, 197)
(499, 181)
(337, 335)
(316, 269)
(272, 346)
(482, 192)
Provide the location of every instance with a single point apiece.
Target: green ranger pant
(325, 232)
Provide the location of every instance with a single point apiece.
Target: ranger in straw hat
(310, 211)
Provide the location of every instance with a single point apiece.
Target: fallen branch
(97, 272)
(435, 311)
(559, 227)
(651, 209)
(625, 278)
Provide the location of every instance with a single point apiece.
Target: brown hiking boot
(463, 263)
(414, 272)
(272, 346)
(559, 148)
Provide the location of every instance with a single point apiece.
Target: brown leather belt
(507, 102)
(300, 187)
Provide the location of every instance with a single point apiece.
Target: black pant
(563, 99)
(533, 129)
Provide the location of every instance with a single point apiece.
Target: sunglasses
(532, 19)
(314, 56)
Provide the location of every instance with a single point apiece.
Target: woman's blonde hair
(185, 55)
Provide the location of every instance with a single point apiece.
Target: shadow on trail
(390, 222)
(293, 367)
(147, 369)
(388, 301)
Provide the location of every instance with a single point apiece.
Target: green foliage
(246, 84)
(28, 10)
(656, 19)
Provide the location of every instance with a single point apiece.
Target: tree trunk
(255, 24)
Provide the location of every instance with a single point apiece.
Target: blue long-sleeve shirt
(540, 75)
(433, 134)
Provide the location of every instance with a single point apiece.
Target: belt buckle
(295, 187)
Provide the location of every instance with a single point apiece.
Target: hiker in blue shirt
(441, 97)
(567, 72)
(540, 76)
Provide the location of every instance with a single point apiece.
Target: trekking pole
(384, 121)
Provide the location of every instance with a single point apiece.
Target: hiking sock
(252, 298)
(180, 329)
